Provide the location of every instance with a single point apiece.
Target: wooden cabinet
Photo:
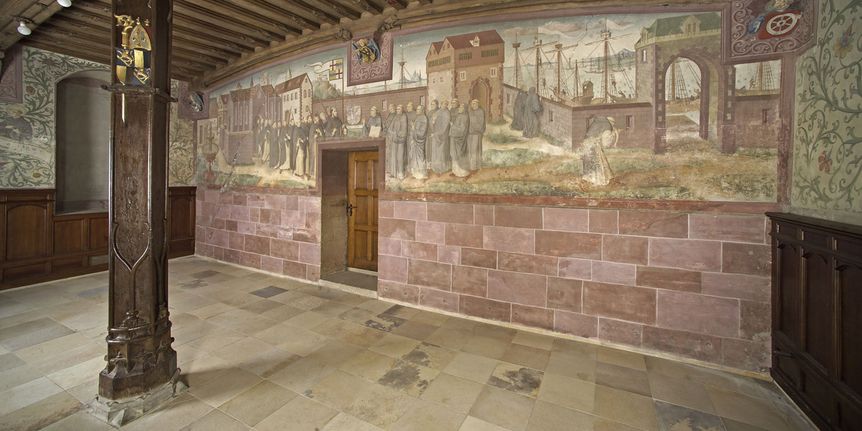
(817, 317)
(37, 245)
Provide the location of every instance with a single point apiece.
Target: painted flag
(336, 69)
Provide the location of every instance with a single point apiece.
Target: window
(490, 53)
(630, 121)
(508, 98)
(643, 56)
(462, 75)
(465, 56)
(422, 100)
(550, 116)
(439, 62)
(493, 72)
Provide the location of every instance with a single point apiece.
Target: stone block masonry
(276, 233)
(690, 284)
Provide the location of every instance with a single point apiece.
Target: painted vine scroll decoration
(828, 158)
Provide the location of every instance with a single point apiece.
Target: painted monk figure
(475, 133)
(458, 128)
(417, 163)
(440, 162)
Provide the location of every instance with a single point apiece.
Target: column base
(121, 412)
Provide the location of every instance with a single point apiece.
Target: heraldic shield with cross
(132, 59)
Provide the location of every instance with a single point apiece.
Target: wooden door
(362, 210)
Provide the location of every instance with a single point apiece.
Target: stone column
(141, 370)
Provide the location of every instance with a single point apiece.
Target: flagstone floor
(267, 353)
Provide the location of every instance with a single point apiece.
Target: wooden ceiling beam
(310, 13)
(207, 27)
(236, 18)
(33, 10)
(331, 8)
(103, 40)
(263, 8)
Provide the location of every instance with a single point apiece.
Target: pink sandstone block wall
(276, 233)
(690, 284)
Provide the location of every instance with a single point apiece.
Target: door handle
(350, 208)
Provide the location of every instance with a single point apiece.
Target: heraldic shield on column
(132, 59)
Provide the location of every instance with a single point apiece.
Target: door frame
(349, 146)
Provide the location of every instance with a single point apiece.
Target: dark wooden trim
(816, 308)
(181, 224)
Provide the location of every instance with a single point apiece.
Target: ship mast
(606, 37)
(538, 44)
(559, 48)
(401, 64)
(517, 45)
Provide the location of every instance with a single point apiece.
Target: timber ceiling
(207, 34)
(214, 40)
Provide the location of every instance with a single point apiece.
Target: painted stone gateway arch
(696, 37)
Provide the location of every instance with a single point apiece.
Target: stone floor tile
(428, 355)
(503, 408)
(31, 333)
(625, 407)
(80, 421)
(471, 367)
(18, 376)
(536, 341)
(268, 292)
(346, 422)
(454, 392)
(516, 378)
(485, 346)
(394, 346)
(216, 420)
(257, 402)
(300, 413)
(672, 417)
(430, 318)
(550, 417)
(179, 412)
(681, 392)
(9, 361)
(293, 339)
(475, 424)
(226, 385)
(424, 416)
(68, 378)
(415, 330)
(527, 356)
(576, 365)
(380, 405)
(368, 365)
(337, 390)
(306, 320)
(621, 358)
(408, 377)
(754, 411)
(454, 339)
(41, 413)
(26, 394)
(568, 392)
(302, 374)
(623, 378)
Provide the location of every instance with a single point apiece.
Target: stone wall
(276, 233)
(691, 284)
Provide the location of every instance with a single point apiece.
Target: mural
(28, 128)
(827, 164)
(621, 106)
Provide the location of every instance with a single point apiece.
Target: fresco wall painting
(827, 150)
(28, 121)
(632, 106)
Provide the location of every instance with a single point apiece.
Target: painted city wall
(562, 106)
(827, 148)
(28, 90)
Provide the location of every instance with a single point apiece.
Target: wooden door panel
(69, 236)
(362, 195)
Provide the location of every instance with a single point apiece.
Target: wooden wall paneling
(817, 304)
(36, 245)
(181, 221)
